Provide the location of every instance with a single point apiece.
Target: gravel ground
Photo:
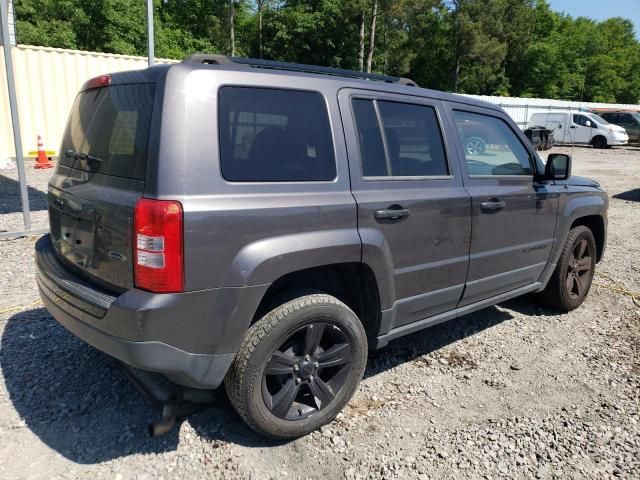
(513, 391)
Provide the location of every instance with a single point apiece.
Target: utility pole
(150, 35)
(13, 107)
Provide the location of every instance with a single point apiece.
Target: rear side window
(112, 126)
(399, 139)
(274, 135)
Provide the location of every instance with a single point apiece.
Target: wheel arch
(596, 224)
(588, 210)
(353, 283)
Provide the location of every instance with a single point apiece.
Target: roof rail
(294, 67)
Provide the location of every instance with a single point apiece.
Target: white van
(581, 128)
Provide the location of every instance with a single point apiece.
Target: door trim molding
(398, 332)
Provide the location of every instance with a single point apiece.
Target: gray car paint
(425, 255)
(241, 237)
(510, 247)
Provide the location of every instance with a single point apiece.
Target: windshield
(108, 130)
(598, 119)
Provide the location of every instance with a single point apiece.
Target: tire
(475, 145)
(262, 373)
(599, 142)
(564, 291)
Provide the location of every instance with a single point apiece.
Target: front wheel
(571, 280)
(599, 142)
(298, 366)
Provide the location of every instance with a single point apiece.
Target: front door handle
(572, 126)
(393, 213)
(492, 206)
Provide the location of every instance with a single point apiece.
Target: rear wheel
(298, 366)
(475, 145)
(599, 142)
(571, 281)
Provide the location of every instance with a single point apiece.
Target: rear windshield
(108, 130)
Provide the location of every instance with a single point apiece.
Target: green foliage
(500, 47)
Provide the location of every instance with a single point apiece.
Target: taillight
(157, 245)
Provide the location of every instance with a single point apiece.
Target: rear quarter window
(274, 135)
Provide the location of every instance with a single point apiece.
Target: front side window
(274, 135)
(582, 121)
(490, 146)
(399, 139)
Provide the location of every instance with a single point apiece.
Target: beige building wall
(47, 81)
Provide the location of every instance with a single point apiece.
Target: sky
(601, 9)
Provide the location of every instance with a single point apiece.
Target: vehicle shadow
(632, 195)
(73, 397)
(424, 342)
(529, 305)
(79, 402)
(10, 196)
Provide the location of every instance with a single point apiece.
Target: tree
(503, 47)
(372, 34)
(232, 34)
(361, 38)
(479, 46)
(261, 4)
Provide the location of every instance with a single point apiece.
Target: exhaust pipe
(174, 401)
(169, 414)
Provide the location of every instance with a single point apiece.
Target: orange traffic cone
(43, 161)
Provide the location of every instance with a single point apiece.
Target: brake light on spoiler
(97, 82)
(158, 257)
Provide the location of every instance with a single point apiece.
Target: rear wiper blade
(81, 156)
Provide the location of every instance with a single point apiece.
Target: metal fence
(47, 81)
(521, 109)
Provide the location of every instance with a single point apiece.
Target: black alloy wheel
(571, 280)
(579, 270)
(298, 365)
(307, 371)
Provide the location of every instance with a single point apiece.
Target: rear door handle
(391, 213)
(493, 205)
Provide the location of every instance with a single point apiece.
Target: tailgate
(98, 181)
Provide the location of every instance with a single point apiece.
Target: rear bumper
(189, 337)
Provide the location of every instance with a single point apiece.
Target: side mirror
(558, 166)
(587, 123)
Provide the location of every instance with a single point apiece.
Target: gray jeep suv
(265, 224)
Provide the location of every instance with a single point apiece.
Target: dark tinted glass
(111, 124)
(490, 146)
(374, 161)
(271, 135)
(626, 119)
(582, 120)
(409, 144)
